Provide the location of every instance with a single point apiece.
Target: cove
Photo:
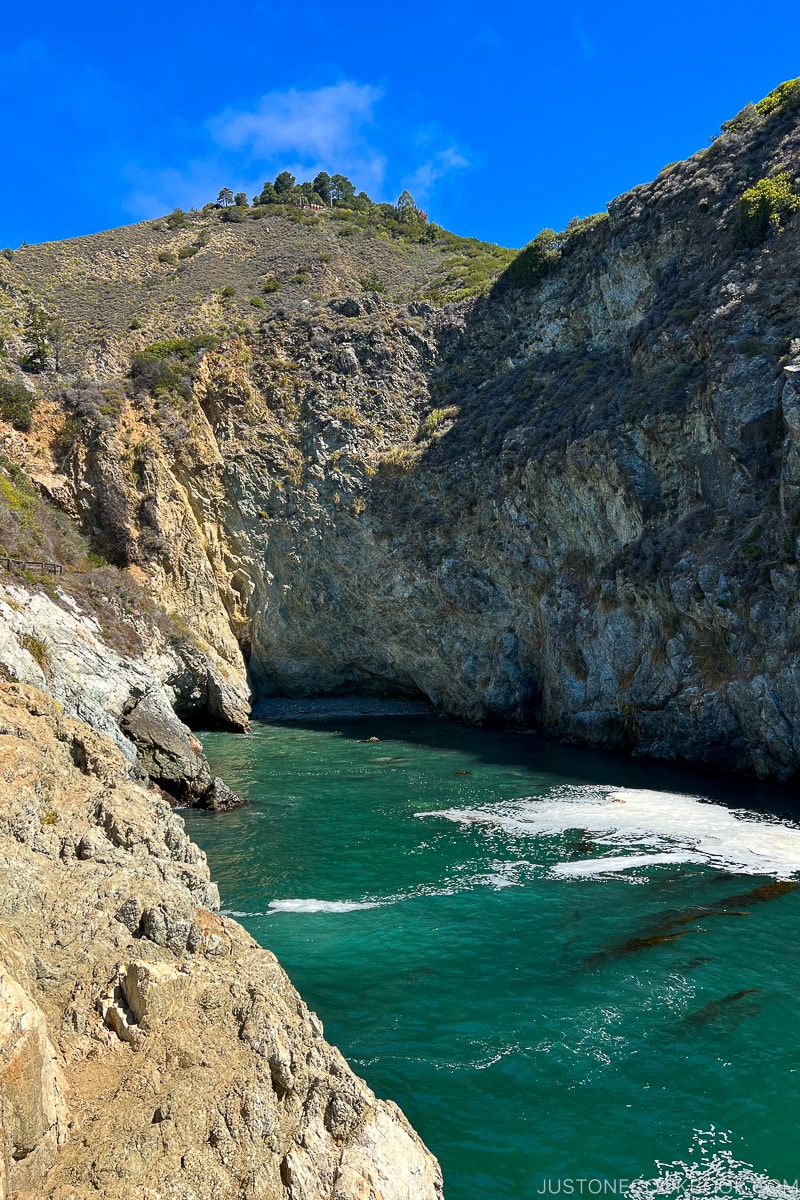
(454, 904)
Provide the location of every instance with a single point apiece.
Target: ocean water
(576, 974)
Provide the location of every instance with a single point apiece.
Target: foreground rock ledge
(149, 1048)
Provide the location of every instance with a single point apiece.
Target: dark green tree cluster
(332, 192)
(167, 366)
(45, 336)
(324, 190)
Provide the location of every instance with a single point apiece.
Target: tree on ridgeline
(342, 190)
(284, 183)
(406, 208)
(322, 186)
(399, 220)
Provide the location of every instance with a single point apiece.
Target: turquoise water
(540, 1015)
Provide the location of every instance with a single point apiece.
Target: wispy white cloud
(154, 193)
(323, 128)
(332, 128)
(427, 174)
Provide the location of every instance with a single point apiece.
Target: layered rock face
(575, 501)
(148, 1047)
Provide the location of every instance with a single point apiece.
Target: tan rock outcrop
(148, 1046)
(33, 1106)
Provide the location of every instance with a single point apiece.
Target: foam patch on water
(317, 906)
(669, 827)
(507, 874)
(713, 1172)
(621, 862)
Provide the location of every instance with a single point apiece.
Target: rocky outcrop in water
(48, 641)
(148, 1047)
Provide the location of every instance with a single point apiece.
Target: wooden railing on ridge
(27, 564)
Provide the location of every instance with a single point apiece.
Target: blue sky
(500, 119)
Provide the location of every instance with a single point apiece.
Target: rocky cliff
(148, 1047)
(570, 498)
(574, 500)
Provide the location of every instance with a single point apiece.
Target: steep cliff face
(148, 1047)
(574, 501)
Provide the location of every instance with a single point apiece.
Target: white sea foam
(685, 828)
(712, 1171)
(621, 862)
(507, 874)
(316, 906)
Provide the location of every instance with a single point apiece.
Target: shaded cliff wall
(574, 502)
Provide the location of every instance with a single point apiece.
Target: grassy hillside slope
(117, 291)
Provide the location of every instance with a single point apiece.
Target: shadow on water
(729, 1011)
(671, 926)
(532, 753)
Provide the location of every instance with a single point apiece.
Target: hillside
(570, 499)
(118, 291)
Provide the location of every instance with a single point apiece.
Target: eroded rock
(171, 1048)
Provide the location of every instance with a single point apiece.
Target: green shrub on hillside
(372, 282)
(16, 404)
(166, 256)
(541, 255)
(468, 268)
(783, 95)
(742, 119)
(38, 649)
(235, 214)
(272, 285)
(162, 367)
(535, 260)
(16, 494)
(761, 209)
(176, 219)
